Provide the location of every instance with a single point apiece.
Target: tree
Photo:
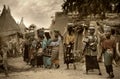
(87, 7)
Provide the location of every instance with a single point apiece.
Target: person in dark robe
(26, 51)
(90, 50)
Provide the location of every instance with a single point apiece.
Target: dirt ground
(20, 70)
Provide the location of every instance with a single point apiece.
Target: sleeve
(73, 40)
(114, 41)
(44, 42)
(85, 41)
(96, 39)
(59, 39)
(83, 46)
(117, 48)
(64, 41)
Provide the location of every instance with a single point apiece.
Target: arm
(85, 40)
(83, 47)
(117, 49)
(65, 31)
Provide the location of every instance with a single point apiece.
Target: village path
(23, 71)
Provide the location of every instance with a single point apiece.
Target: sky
(36, 12)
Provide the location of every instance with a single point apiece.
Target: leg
(74, 66)
(111, 71)
(86, 71)
(97, 64)
(86, 64)
(57, 63)
(44, 61)
(99, 71)
(49, 63)
(57, 66)
(107, 69)
(67, 65)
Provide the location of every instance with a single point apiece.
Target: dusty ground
(23, 71)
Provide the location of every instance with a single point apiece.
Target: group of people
(107, 43)
(92, 42)
(43, 51)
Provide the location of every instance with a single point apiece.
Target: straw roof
(8, 25)
(22, 26)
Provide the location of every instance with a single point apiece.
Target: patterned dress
(69, 45)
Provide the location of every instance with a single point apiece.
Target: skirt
(91, 62)
(39, 60)
(68, 56)
(46, 61)
(55, 55)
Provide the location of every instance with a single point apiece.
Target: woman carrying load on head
(108, 50)
(69, 45)
(55, 48)
(90, 50)
(46, 50)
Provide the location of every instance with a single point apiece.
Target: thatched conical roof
(22, 26)
(8, 25)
